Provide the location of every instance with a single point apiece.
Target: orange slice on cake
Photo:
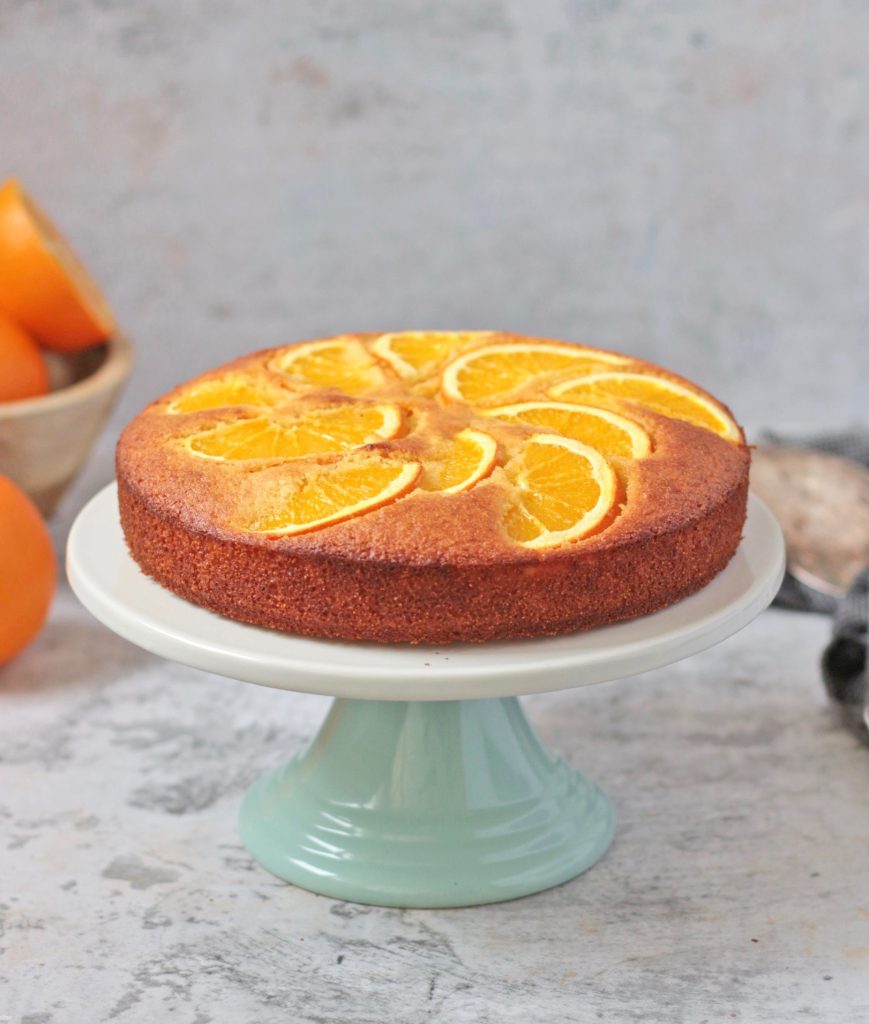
(491, 374)
(467, 458)
(416, 354)
(655, 393)
(228, 391)
(562, 490)
(341, 364)
(313, 432)
(605, 431)
(330, 494)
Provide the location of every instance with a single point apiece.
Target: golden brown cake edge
(354, 600)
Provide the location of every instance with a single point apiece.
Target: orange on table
(28, 572)
(23, 373)
(43, 285)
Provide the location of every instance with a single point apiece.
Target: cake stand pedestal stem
(426, 804)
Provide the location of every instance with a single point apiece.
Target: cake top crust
(435, 448)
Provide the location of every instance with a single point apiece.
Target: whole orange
(23, 373)
(28, 572)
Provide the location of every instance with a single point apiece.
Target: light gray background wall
(685, 180)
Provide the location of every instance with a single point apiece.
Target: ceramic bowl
(45, 441)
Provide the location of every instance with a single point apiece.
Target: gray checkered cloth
(844, 662)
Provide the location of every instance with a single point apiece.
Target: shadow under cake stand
(426, 785)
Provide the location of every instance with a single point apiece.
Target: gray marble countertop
(735, 889)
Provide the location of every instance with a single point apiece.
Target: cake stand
(426, 785)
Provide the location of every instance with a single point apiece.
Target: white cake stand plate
(426, 786)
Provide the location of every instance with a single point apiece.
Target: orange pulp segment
(315, 432)
(470, 456)
(342, 364)
(655, 393)
(607, 432)
(563, 490)
(490, 374)
(43, 285)
(330, 494)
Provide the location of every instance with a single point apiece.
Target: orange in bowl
(28, 572)
(43, 285)
(23, 373)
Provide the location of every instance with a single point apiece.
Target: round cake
(433, 487)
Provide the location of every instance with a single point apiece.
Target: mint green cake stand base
(426, 786)
(426, 804)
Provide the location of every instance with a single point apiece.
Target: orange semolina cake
(433, 487)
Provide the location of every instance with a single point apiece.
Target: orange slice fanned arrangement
(433, 487)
